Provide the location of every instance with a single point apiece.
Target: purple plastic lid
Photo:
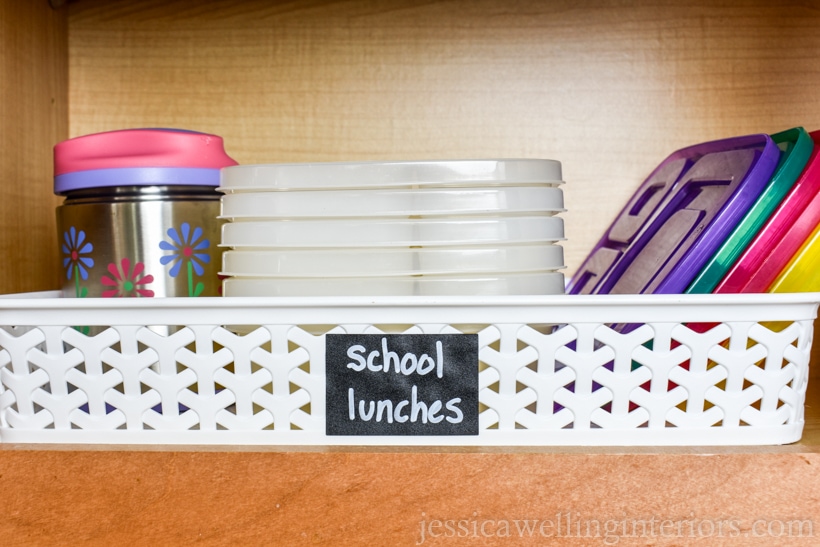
(648, 199)
(136, 176)
(712, 197)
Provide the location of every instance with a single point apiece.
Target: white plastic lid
(374, 174)
(391, 232)
(539, 283)
(392, 202)
(393, 261)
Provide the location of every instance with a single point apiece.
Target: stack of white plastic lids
(461, 227)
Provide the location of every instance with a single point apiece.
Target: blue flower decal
(186, 248)
(74, 246)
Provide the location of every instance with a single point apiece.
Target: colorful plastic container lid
(148, 156)
(312, 233)
(390, 174)
(796, 147)
(708, 202)
(800, 274)
(380, 202)
(639, 210)
(782, 236)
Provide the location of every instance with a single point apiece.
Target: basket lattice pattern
(578, 376)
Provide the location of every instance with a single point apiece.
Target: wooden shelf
(607, 90)
(294, 498)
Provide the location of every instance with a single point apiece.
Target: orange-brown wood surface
(607, 88)
(373, 498)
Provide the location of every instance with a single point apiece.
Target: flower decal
(74, 247)
(127, 282)
(186, 248)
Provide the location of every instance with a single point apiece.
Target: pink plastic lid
(129, 148)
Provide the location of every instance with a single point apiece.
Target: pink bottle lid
(139, 156)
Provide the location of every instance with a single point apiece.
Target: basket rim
(49, 308)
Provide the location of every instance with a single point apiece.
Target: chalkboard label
(402, 384)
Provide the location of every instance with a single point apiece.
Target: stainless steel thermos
(140, 216)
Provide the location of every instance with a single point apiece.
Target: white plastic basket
(552, 370)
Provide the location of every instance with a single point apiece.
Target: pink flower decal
(126, 282)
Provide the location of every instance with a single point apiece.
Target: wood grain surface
(33, 118)
(607, 88)
(385, 499)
